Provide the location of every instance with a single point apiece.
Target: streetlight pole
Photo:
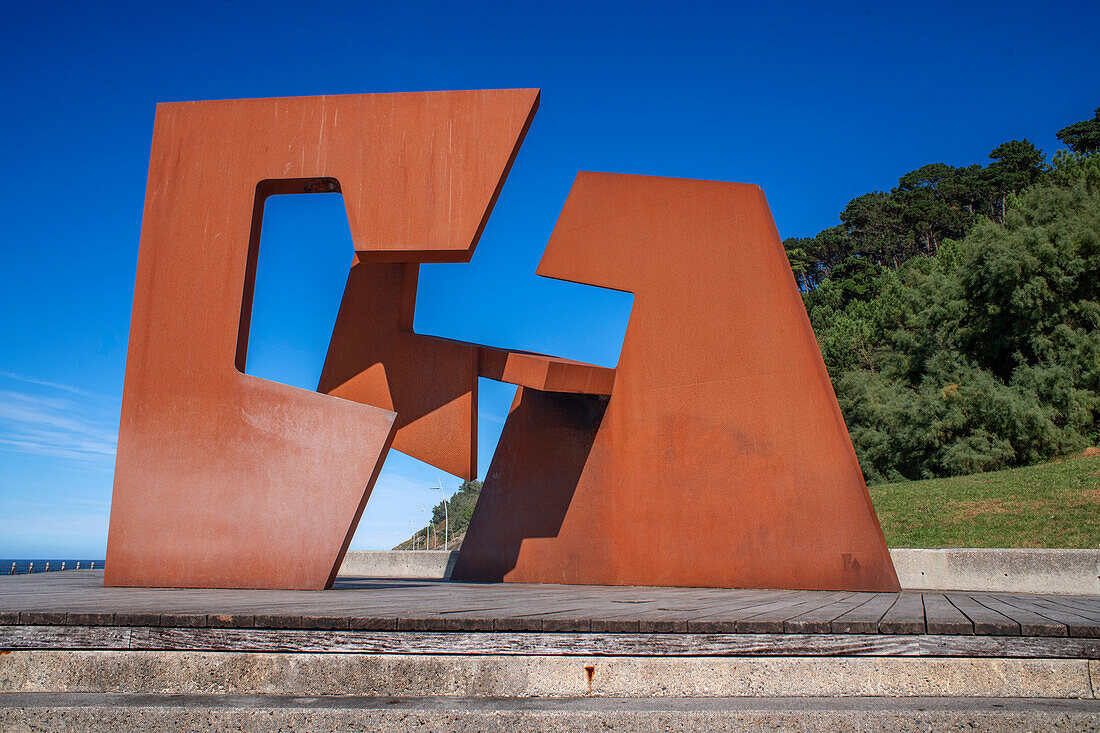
(415, 533)
(426, 529)
(446, 517)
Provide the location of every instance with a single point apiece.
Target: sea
(12, 566)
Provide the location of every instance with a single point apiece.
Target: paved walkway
(78, 598)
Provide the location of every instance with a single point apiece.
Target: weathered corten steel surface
(374, 357)
(226, 480)
(430, 383)
(713, 455)
(721, 457)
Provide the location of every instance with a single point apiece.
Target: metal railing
(24, 567)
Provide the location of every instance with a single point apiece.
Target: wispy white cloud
(10, 506)
(56, 420)
(78, 428)
(53, 385)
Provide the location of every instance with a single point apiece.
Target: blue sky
(817, 103)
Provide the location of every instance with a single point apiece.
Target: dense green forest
(958, 313)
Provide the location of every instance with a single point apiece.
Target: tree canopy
(460, 507)
(1082, 137)
(958, 314)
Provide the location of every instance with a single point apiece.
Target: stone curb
(431, 564)
(187, 673)
(1063, 572)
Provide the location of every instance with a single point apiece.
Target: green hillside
(1048, 505)
(1053, 504)
(460, 507)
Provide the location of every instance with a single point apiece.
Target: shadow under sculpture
(714, 454)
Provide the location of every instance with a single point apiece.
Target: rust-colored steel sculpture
(721, 457)
(227, 480)
(431, 383)
(713, 455)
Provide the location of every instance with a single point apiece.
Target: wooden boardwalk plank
(906, 616)
(819, 620)
(773, 620)
(673, 615)
(985, 620)
(1090, 605)
(1051, 647)
(726, 619)
(78, 598)
(1076, 623)
(1031, 622)
(462, 643)
(292, 640)
(864, 619)
(940, 617)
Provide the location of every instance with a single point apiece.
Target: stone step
(93, 712)
(502, 675)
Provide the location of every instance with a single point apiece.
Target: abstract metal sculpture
(713, 455)
(227, 480)
(721, 458)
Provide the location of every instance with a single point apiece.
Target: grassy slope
(1050, 505)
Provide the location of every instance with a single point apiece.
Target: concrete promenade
(394, 654)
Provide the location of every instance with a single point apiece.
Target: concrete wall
(400, 563)
(1072, 572)
(524, 676)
